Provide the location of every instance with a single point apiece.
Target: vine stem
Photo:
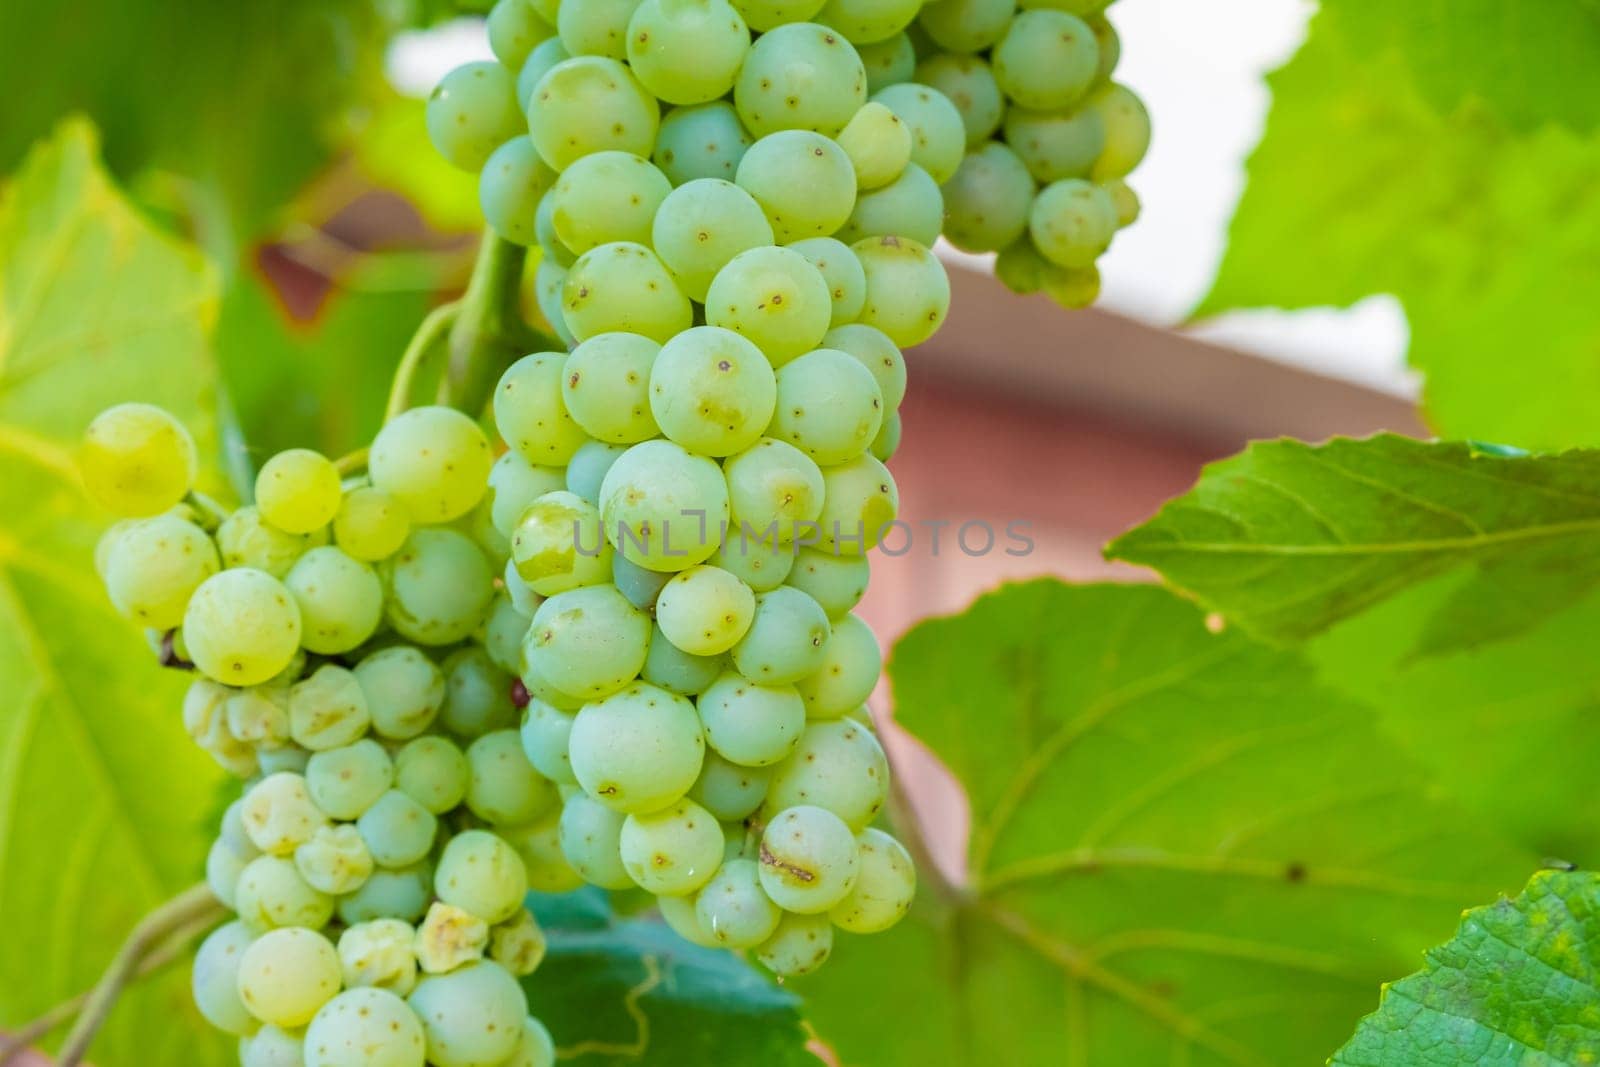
(490, 331)
(433, 329)
(351, 463)
(187, 909)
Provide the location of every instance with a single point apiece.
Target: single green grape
(514, 483)
(687, 51)
(479, 873)
(368, 1027)
(969, 84)
(878, 144)
(513, 181)
(397, 830)
(223, 868)
(764, 15)
(841, 270)
(664, 507)
(673, 851)
(888, 62)
(271, 894)
(591, 835)
(837, 765)
(514, 29)
(637, 750)
(1124, 199)
(1072, 287)
(606, 196)
(787, 639)
(910, 206)
(538, 844)
(214, 980)
(260, 715)
(884, 889)
(335, 861)
(680, 917)
(868, 21)
(799, 76)
(986, 203)
(518, 944)
(670, 667)
(503, 789)
(804, 182)
(558, 544)
(829, 406)
(860, 500)
(544, 733)
(340, 600)
(623, 287)
(241, 626)
(701, 141)
(966, 25)
(1072, 222)
(703, 224)
(586, 471)
(245, 539)
(434, 460)
(908, 292)
(439, 587)
(587, 104)
(638, 584)
(155, 565)
(477, 694)
(1047, 59)
(370, 525)
(298, 490)
(588, 642)
(596, 27)
(799, 945)
(1127, 126)
(887, 443)
(432, 771)
(549, 287)
(730, 791)
(1020, 267)
(851, 665)
(529, 413)
(377, 953)
(833, 579)
(544, 55)
(1056, 144)
(605, 385)
(401, 894)
(734, 908)
(137, 460)
(472, 111)
(756, 558)
(774, 491)
(272, 1046)
(705, 610)
(809, 860)
(472, 1015)
(749, 724)
(404, 691)
(503, 632)
(875, 351)
(535, 1048)
(344, 782)
(773, 297)
(938, 136)
(712, 391)
(1110, 43)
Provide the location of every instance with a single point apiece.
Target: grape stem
(351, 463)
(490, 331)
(435, 326)
(187, 909)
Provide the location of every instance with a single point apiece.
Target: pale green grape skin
(638, 750)
(787, 639)
(1056, 144)
(1072, 287)
(1127, 132)
(851, 665)
(298, 491)
(734, 908)
(271, 1046)
(591, 834)
(773, 297)
(340, 600)
(535, 1048)
(503, 632)
(514, 29)
(639, 585)
(875, 351)
(887, 443)
(878, 145)
(479, 873)
(799, 945)
(245, 539)
(279, 813)
(513, 181)
(986, 203)
(529, 413)
(205, 720)
(448, 937)
(1124, 199)
(605, 385)
(559, 544)
(729, 791)
(586, 472)
(154, 566)
(938, 136)
(540, 689)
(260, 716)
(966, 25)
(868, 21)
(523, 599)
(241, 626)
(434, 460)
(344, 782)
(673, 851)
(755, 557)
(287, 974)
(884, 889)
(679, 915)
(623, 287)
(549, 286)
(908, 292)
(539, 846)
(401, 895)
(888, 62)
(774, 490)
(749, 724)
(335, 861)
(503, 789)
(701, 141)
(514, 483)
(544, 55)
(518, 944)
(677, 671)
(1020, 267)
(439, 587)
(215, 979)
(397, 830)
(809, 860)
(472, 111)
(764, 15)
(477, 694)
(703, 224)
(596, 27)
(588, 642)
(432, 771)
(472, 1017)
(370, 525)
(137, 460)
(590, 104)
(367, 1027)
(544, 735)
(837, 765)
(832, 579)
(799, 76)
(829, 406)
(224, 864)
(1105, 36)
(841, 270)
(860, 500)
(712, 391)
(1047, 59)
(604, 197)
(404, 691)
(1072, 221)
(969, 84)
(271, 894)
(556, 254)
(687, 51)
(803, 180)
(705, 610)
(664, 507)
(910, 206)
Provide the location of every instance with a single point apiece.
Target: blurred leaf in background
(1184, 848)
(1451, 160)
(104, 795)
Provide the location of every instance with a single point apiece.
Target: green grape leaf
(1286, 538)
(395, 154)
(1517, 986)
(1475, 227)
(101, 792)
(620, 991)
(1184, 848)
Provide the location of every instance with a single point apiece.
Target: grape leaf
(1518, 986)
(630, 991)
(1184, 848)
(394, 153)
(1286, 538)
(1477, 228)
(101, 792)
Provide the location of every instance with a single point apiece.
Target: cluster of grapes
(1049, 136)
(352, 659)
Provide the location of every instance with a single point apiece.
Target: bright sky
(1200, 72)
